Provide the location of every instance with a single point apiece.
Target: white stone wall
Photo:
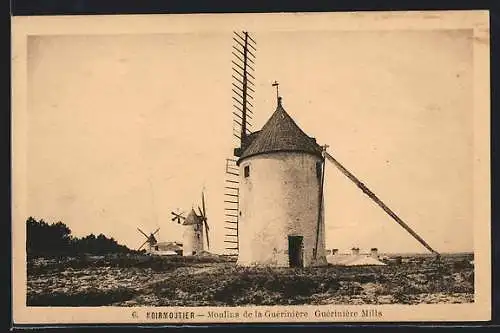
(279, 199)
(192, 240)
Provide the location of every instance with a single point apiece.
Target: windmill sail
(140, 247)
(203, 219)
(204, 216)
(243, 65)
(231, 203)
(151, 239)
(142, 232)
(177, 217)
(243, 87)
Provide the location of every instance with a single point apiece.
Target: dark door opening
(295, 250)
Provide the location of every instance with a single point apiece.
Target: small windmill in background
(178, 216)
(195, 227)
(150, 240)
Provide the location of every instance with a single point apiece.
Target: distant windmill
(150, 240)
(178, 216)
(195, 225)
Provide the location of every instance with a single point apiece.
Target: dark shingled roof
(280, 134)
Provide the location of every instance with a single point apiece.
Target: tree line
(55, 239)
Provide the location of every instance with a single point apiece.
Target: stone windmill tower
(192, 236)
(274, 186)
(195, 226)
(280, 196)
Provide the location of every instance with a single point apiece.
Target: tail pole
(378, 201)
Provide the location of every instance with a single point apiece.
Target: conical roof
(192, 218)
(280, 134)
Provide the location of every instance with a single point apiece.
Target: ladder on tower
(231, 205)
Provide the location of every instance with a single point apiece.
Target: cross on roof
(276, 84)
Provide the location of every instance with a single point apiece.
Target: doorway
(295, 251)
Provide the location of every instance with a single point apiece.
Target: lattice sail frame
(243, 66)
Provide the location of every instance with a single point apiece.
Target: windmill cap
(192, 218)
(280, 134)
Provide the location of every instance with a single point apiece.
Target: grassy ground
(198, 281)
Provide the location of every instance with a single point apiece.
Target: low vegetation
(136, 280)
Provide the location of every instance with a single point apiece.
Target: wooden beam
(379, 202)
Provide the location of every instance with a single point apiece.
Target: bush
(55, 239)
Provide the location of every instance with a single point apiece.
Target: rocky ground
(198, 281)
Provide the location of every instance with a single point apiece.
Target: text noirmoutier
(263, 314)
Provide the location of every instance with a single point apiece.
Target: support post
(320, 204)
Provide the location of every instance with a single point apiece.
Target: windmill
(195, 225)
(178, 216)
(151, 239)
(297, 242)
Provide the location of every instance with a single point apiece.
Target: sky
(124, 129)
